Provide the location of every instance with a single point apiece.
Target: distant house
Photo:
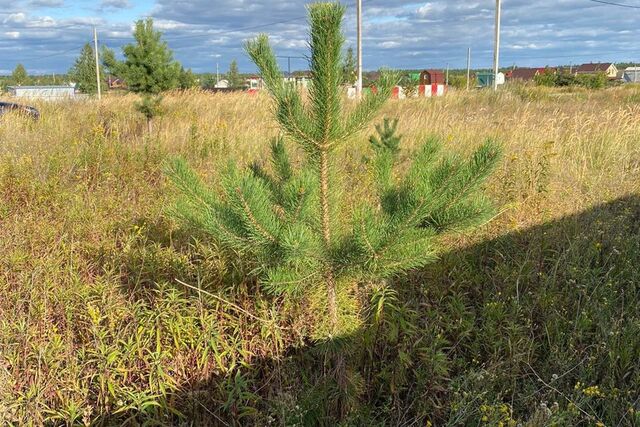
(607, 68)
(254, 83)
(429, 77)
(486, 79)
(43, 92)
(222, 84)
(631, 75)
(115, 83)
(524, 74)
(300, 79)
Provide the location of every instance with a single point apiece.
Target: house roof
(594, 68)
(41, 87)
(525, 73)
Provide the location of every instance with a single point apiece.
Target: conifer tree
(187, 80)
(83, 72)
(149, 68)
(286, 221)
(233, 76)
(349, 70)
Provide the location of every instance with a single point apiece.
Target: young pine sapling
(286, 223)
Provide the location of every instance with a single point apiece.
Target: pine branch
(326, 41)
(386, 140)
(386, 147)
(289, 110)
(280, 160)
(200, 207)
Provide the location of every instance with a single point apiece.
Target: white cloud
(425, 10)
(389, 45)
(46, 3)
(15, 18)
(114, 4)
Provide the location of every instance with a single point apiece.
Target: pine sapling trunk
(332, 298)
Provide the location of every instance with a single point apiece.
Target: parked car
(6, 107)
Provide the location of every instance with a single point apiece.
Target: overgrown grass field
(113, 314)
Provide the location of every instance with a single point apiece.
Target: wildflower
(593, 391)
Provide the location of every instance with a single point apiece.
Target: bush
(592, 81)
(548, 78)
(459, 81)
(589, 81)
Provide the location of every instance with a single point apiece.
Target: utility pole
(217, 72)
(95, 46)
(359, 82)
(496, 53)
(468, 68)
(289, 66)
(446, 79)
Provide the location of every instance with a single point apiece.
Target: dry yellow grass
(82, 199)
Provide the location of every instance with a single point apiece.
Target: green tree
(148, 69)
(19, 76)
(294, 228)
(187, 80)
(83, 72)
(234, 77)
(349, 68)
(109, 62)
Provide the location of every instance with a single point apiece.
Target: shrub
(547, 78)
(592, 81)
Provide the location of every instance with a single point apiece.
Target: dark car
(6, 107)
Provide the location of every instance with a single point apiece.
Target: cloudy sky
(46, 35)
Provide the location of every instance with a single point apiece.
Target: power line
(194, 36)
(610, 3)
(64, 52)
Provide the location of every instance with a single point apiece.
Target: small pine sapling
(284, 222)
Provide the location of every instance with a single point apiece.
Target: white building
(43, 92)
(299, 81)
(254, 83)
(631, 75)
(222, 84)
